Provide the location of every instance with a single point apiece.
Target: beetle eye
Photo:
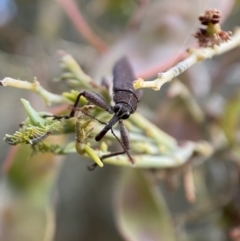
(125, 115)
(116, 108)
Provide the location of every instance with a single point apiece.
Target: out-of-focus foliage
(133, 194)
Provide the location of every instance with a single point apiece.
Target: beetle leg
(94, 98)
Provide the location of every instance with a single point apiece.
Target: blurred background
(56, 198)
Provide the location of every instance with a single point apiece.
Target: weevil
(125, 98)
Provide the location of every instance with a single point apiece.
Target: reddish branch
(81, 25)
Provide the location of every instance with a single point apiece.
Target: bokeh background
(83, 205)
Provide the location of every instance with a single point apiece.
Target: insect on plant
(125, 98)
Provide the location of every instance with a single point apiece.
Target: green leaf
(34, 117)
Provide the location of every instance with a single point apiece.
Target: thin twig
(35, 86)
(195, 56)
(189, 184)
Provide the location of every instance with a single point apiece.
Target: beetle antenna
(107, 127)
